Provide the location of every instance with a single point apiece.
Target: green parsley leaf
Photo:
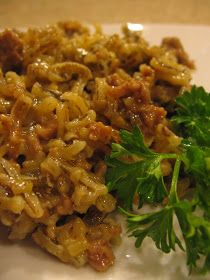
(133, 144)
(193, 115)
(134, 168)
(120, 177)
(156, 225)
(197, 166)
(159, 226)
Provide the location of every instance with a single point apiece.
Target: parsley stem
(168, 156)
(173, 198)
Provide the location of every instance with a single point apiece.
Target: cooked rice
(64, 94)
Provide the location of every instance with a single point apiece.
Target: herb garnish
(133, 169)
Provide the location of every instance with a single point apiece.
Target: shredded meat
(11, 51)
(130, 87)
(100, 255)
(98, 131)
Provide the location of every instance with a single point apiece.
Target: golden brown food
(64, 94)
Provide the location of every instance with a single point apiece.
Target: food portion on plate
(90, 122)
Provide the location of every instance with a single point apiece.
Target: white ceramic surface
(24, 260)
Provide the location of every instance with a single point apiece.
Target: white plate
(25, 261)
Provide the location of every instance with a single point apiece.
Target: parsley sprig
(193, 115)
(133, 169)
